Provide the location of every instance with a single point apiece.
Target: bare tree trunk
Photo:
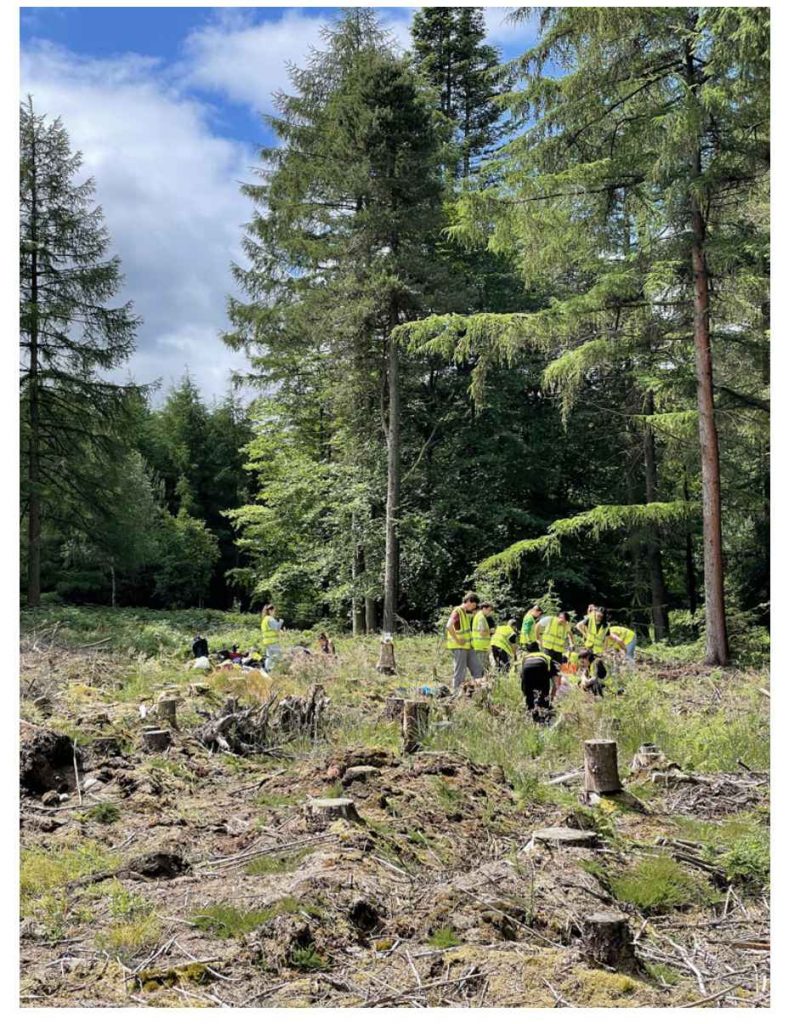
(112, 578)
(33, 468)
(370, 615)
(690, 566)
(714, 604)
(393, 483)
(654, 557)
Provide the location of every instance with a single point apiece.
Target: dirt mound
(45, 760)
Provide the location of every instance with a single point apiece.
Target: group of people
(270, 651)
(547, 643)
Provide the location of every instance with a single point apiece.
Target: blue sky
(165, 105)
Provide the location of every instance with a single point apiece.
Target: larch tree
(69, 332)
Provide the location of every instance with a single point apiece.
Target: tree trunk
(601, 771)
(357, 604)
(690, 565)
(654, 557)
(33, 468)
(607, 939)
(393, 483)
(370, 615)
(112, 581)
(714, 604)
(416, 715)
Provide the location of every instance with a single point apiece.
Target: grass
(276, 865)
(226, 921)
(655, 885)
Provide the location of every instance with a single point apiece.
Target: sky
(165, 105)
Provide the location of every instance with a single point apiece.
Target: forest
(507, 323)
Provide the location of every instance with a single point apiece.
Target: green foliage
(228, 922)
(443, 938)
(188, 554)
(658, 884)
(305, 958)
(105, 812)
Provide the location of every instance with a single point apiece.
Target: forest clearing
(406, 305)
(435, 893)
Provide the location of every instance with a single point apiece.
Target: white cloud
(511, 37)
(169, 190)
(247, 60)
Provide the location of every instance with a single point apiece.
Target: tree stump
(386, 659)
(416, 714)
(607, 939)
(323, 810)
(601, 773)
(167, 710)
(156, 739)
(393, 709)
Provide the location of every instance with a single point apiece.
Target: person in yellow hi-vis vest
(624, 639)
(459, 636)
(271, 627)
(554, 635)
(481, 633)
(503, 644)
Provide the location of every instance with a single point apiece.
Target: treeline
(510, 325)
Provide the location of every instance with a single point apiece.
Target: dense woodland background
(508, 325)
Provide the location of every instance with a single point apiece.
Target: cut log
(167, 710)
(324, 810)
(607, 939)
(416, 714)
(386, 659)
(565, 837)
(601, 772)
(156, 739)
(393, 709)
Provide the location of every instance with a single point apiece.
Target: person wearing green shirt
(482, 626)
(528, 636)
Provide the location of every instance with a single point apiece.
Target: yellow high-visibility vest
(555, 635)
(270, 636)
(504, 638)
(464, 631)
(596, 634)
(623, 633)
(480, 636)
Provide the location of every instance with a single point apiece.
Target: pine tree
(71, 417)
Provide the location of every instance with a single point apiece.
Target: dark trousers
(536, 686)
(501, 658)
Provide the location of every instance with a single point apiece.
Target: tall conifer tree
(69, 332)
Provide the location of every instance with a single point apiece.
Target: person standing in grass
(528, 636)
(503, 644)
(481, 633)
(271, 628)
(459, 634)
